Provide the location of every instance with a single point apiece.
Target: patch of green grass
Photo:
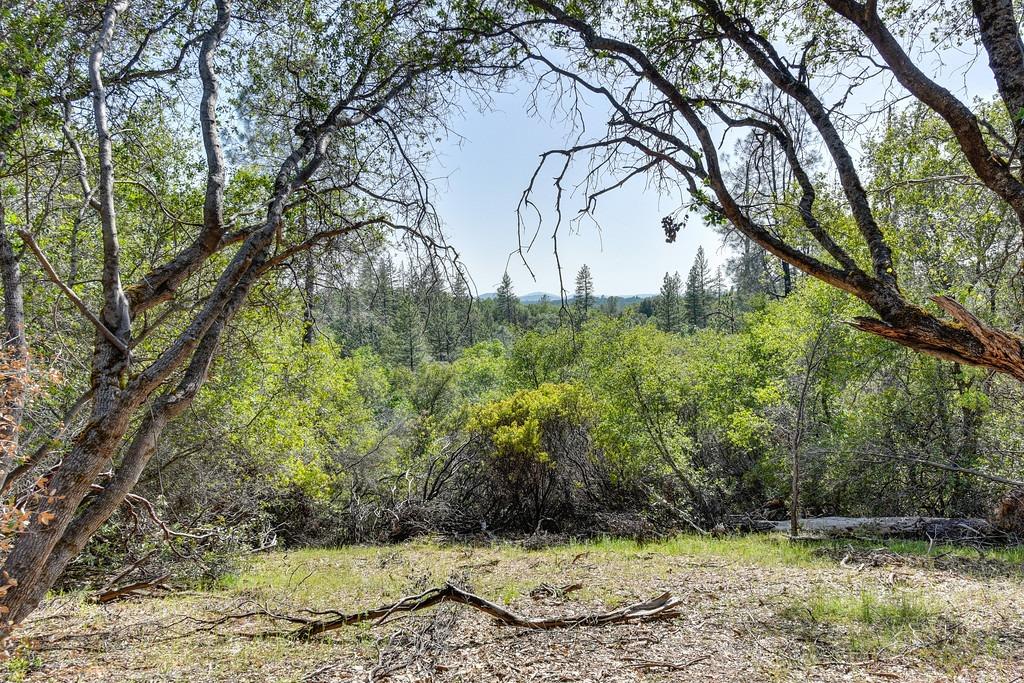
(753, 549)
(869, 624)
(1009, 554)
(888, 610)
(750, 549)
(20, 665)
(315, 580)
(360, 575)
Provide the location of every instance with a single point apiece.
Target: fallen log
(133, 589)
(664, 606)
(934, 528)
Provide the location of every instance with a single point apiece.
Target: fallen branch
(664, 606)
(673, 666)
(546, 590)
(127, 570)
(132, 588)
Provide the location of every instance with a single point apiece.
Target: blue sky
(480, 180)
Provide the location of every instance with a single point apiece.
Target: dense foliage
(231, 318)
(605, 426)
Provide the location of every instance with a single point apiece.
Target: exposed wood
(894, 527)
(664, 606)
(132, 589)
(965, 339)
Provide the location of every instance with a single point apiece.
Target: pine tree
(443, 325)
(404, 342)
(584, 293)
(508, 302)
(669, 307)
(697, 283)
(467, 314)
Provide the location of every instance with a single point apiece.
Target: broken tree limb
(132, 588)
(127, 570)
(664, 606)
(939, 528)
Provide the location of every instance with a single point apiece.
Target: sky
(481, 172)
(480, 180)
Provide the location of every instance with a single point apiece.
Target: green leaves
(515, 426)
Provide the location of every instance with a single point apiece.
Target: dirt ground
(753, 609)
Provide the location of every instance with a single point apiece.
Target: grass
(311, 573)
(893, 610)
(751, 549)
(868, 625)
(322, 576)
(19, 666)
(752, 594)
(1013, 555)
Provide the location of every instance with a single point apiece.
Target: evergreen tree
(443, 325)
(648, 307)
(697, 285)
(669, 309)
(404, 340)
(584, 293)
(467, 314)
(382, 296)
(508, 302)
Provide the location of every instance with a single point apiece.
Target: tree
(670, 98)
(406, 345)
(508, 302)
(584, 298)
(340, 133)
(668, 308)
(697, 290)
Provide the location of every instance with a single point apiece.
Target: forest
(260, 420)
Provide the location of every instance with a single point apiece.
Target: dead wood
(672, 666)
(546, 590)
(132, 589)
(127, 570)
(664, 606)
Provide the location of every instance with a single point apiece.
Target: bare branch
(70, 293)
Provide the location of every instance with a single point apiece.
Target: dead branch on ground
(663, 606)
(154, 584)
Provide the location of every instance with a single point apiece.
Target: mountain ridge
(535, 297)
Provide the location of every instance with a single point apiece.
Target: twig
(651, 664)
(168, 532)
(128, 570)
(52, 274)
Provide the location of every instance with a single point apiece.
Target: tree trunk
(13, 350)
(794, 504)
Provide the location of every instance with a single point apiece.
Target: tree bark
(1001, 37)
(13, 350)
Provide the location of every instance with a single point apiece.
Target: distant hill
(536, 297)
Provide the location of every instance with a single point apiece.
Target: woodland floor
(756, 608)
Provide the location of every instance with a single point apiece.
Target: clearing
(755, 608)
